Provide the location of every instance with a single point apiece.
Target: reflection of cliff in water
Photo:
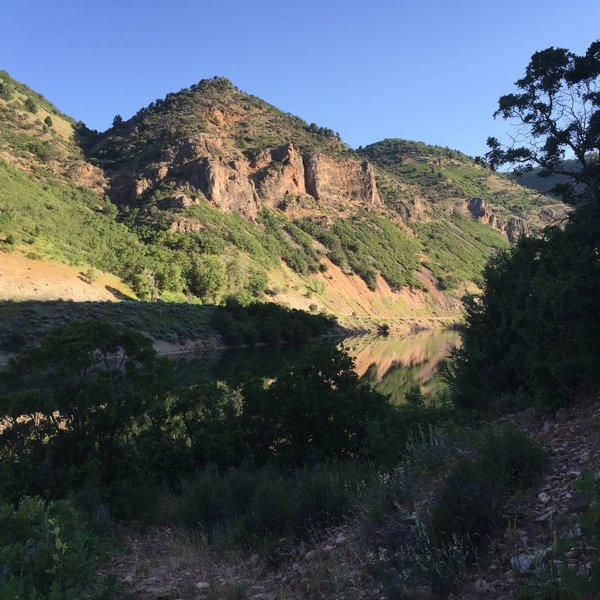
(393, 365)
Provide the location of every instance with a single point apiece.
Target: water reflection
(391, 365)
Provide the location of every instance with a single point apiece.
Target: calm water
(391, 365)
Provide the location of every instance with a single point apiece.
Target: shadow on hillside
(28, 320)
(174, 323)
(118, 294)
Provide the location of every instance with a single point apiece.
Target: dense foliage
(457, 249)
(91, 407)
(469, 506)
(47, 552)
(535, 329)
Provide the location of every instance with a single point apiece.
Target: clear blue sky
(430, 70)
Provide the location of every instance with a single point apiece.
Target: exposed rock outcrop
(87, 175)
(510, 225)
(329, 179)
(280, 175)
(236, 183)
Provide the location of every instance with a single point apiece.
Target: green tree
(557, 112)
(208, 279)
(89, 387)
(314, 410)
(6, 92)
(208, 412)
(169, 276)
(534, 330)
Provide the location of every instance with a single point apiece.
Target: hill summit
(214, 193)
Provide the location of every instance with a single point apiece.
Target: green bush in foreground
(469, 505)
(243, 505)
(47, 553)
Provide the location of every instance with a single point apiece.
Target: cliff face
(201, 169)
(511, 226)
(331, 180)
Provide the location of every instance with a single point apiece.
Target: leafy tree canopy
(557, 116)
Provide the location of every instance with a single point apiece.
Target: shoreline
(214, 342)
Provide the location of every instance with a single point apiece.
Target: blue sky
(429, 71)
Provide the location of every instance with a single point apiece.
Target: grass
(59, 221)
(457, 250)
(367, 244)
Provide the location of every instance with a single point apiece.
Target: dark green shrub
(513, 457)
(80, 398)
(590, 486)
(388, 437)
(315, 409)
(243, 505)
(469, 504)
(6, 92)
(30, 105)
(535, 329)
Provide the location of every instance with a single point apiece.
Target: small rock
(311, 555)
(128, 579)
(584, 457)
(203, 585)
(296, 567)
(520, 563)
(340, 539)
(559, 519)
(575, 532)
(543, 497)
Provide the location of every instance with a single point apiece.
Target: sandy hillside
(22, 278)
(348, 297)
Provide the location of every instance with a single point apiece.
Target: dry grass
(169, 564)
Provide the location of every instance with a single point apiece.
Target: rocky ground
(545, 524)
(544, 535)
(163, 563)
